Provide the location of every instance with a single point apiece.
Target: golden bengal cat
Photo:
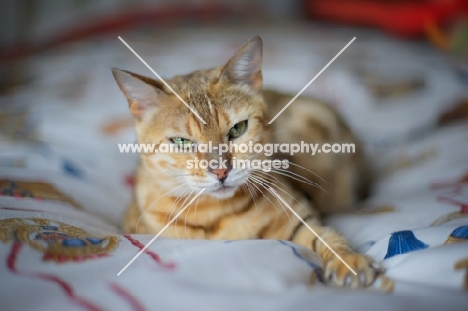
(242, 202)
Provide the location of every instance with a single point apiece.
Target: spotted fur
(243, 205)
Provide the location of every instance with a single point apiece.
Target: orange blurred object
(403, 18)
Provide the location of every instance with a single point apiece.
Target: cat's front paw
(336, 273)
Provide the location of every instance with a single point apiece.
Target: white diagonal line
(312, 230)
(310, 82)
(162, 80)
(160, 232)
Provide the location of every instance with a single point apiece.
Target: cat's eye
(182, 142)
(238, 129)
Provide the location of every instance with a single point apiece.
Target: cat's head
(228, 98)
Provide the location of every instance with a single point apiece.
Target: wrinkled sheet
(64, 185)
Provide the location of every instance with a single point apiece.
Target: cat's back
(342, 178)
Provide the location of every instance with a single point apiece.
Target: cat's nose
(221, 173)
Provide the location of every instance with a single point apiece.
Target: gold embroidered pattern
(58, 241)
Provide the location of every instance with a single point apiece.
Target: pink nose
(221, 173)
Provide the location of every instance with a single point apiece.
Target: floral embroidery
(458, 235)
(36, 190)
(451, 191)
(58, 241)
(454, 215)
(402, 242)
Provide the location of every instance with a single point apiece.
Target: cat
(243, 203)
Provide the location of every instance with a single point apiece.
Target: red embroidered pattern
(156, 258)
(68, 290)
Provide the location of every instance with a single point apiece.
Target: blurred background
(408, 66)
(29, 26)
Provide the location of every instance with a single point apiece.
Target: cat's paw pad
(367, 271)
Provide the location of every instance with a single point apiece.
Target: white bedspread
(64, 185)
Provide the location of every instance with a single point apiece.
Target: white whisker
(152, 203)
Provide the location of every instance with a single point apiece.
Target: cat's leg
(338, 258)
(336, 272)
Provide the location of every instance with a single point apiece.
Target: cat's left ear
(245, 67)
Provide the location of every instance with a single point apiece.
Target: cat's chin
(224, 192)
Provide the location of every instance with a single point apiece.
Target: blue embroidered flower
(460, 232)
(402, 242)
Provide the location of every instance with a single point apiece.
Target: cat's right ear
(142, 95)
(245, 67)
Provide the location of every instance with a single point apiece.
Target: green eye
(238, 129)
(182, 142)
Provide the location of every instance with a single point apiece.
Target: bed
(64, 185)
